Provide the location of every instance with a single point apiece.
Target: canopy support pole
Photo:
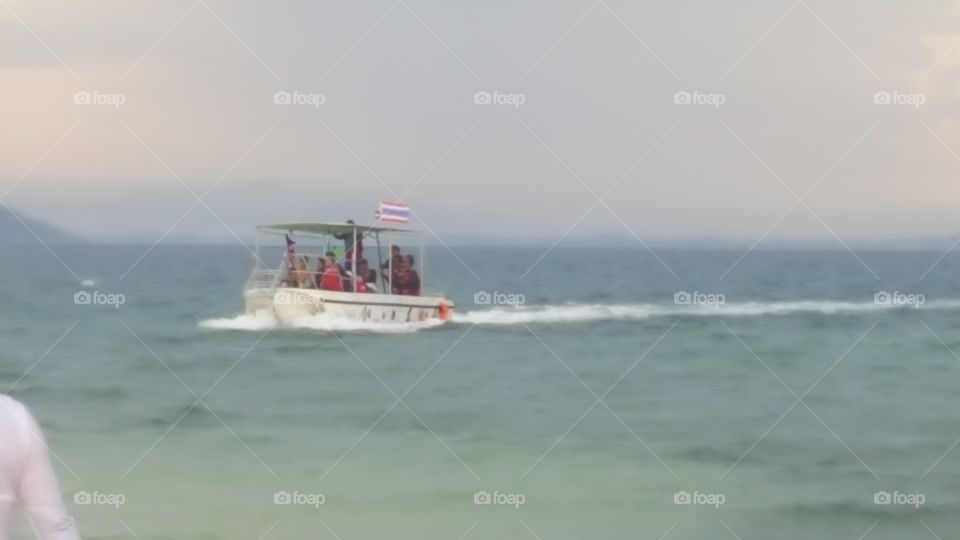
(353, 260)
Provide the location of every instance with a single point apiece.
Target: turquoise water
(199, 426)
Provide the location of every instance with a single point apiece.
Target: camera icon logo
(82, 98)
(882, 298)
(282, 497)
(482, 98)
(682, 98)
(682, 298)
(282, 98)
(882, 98)
(482, 497)
(682, 497)
(482, 298)
(82, 298)
(82, 497)
(882, 497)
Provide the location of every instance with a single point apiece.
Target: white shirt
(27, 477)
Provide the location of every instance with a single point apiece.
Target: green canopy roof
(329, 228)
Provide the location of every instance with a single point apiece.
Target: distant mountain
(12, 231)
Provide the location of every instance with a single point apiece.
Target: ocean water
(790, 410)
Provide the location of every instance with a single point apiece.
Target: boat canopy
(331, 228)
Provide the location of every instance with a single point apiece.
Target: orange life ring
(444, 310)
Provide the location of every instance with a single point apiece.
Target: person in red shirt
(331, 280)
(318, 275)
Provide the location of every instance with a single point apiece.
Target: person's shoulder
(11, 407)
(7, 401)
(12, 412)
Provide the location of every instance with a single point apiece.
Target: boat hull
(290, 304)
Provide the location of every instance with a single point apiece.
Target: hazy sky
(787, 91)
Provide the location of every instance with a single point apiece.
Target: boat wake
(256, 322)
(574, 313)
(262, 321)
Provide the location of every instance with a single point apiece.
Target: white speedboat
(320, 274)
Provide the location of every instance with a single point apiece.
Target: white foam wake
(570, 313)
(264, 320)
(257, 322)
(573, 313)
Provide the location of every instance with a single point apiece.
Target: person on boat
(365, 277)
(369, 275)
(396, 262)
(318, 275)
(398, 278)
(405, 280)
(412, 286)
(346, 277)
(290, 275)
(348, 245)
(331, 280)
(332, 255)
(27, 476)
(301, 273)
(396, 258)
(361, 285)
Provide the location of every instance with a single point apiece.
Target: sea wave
(573, 313)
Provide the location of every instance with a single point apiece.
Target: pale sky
(597, 82)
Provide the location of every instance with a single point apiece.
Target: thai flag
(393, 211)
